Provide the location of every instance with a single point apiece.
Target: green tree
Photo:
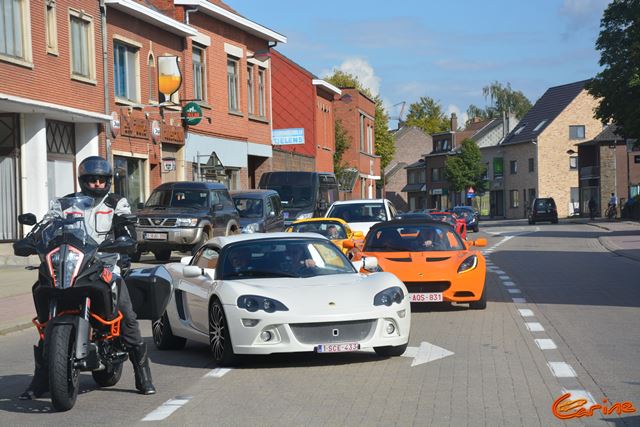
(502, 98)
(427, 115)
(618, 84)
(342, 143)
(466, 169)
(383, 141)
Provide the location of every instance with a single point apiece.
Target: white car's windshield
(359, 212)
(284, 258)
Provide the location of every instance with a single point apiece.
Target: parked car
(260, 210)
(182, 216)
(281, 293)
(470, 215)
(333, 229)
(303, 194)
(431, 259)
(362, 214)
(543, 209)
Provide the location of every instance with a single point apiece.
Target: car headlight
(468, 264)
(186, 222)
(251, 228)
(389, 296)
(305, 215)
(255, 302)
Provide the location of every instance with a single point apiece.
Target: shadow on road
(624, 421)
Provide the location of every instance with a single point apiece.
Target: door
(198, 289)
(61, 160)
(129, 179)
(9, 138)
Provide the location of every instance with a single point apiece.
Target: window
(531, 165)
(513, 199)
(436, 174)
(232, 84)
(513, 167)
(15, 29)
(413, 177)
(198, 73)
(485, 175)
(442, 145)
(151, 69)
(573, 162)
(51, 29)
(250, 89)
(125, 74)
(520, 129)
(576, 132)
(498, 167)
(361, 132)
(82, 46)
(537, 128)
(262, 100)
(370, 139)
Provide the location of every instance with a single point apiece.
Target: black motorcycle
(76, 297)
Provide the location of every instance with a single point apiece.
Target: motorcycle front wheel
(64, 378)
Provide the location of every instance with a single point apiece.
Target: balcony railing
(590, 172)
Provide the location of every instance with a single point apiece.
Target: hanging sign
(191, 113)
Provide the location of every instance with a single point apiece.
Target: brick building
(410, 144)
(357, 112)
(228, 72)
(52, 103)
(302, 104)
(540, 157)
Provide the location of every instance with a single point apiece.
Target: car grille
(334, 332)
(421, 287)
(156, 222)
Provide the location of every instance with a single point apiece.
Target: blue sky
(447, 50)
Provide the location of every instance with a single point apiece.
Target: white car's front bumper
(301, 333)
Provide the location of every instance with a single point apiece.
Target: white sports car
(280, 293)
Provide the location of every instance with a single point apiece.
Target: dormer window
(542, 123)
(520, 129)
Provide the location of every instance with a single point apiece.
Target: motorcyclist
(94, 177)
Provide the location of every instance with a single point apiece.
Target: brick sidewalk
(16, 303)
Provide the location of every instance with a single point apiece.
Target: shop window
(51, 25)
(262, 98)
(82, 46)
(125, 73)
(15, 30)
(250, 89)
(199, 73)
(232, 84)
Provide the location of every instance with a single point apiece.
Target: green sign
(498, 168)
(192, 113)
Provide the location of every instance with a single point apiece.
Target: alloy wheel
(217, 331)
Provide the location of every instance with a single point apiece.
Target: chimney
(505, 125)
(454, 122)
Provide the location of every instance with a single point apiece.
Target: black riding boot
(40, 381)
(138, 357)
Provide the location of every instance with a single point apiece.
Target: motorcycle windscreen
(150, 291)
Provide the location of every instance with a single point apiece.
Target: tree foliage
(618, 84)
(501, 98)
(466, 169)
(427, 114)
(383, 141)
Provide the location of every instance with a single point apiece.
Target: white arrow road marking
(427, 352)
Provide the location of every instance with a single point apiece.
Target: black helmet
(94, 166)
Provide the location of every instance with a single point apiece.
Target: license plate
(337, 348)
(426, 297)
(155, 236)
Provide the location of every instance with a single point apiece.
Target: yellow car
(335, 229)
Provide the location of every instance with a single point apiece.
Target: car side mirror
(27, 219)
(126, 219)
(480, 243)
(370, 264)
(190, 271)
(348, 244)
(186, 260)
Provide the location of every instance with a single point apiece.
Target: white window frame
(137, 47)
(202, 73)
(262, 92)
(51, 26)
(362, 133)
(26, 59)
(91, 48)
(233, 98)
(250, 90)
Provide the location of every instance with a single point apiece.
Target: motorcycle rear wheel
(108, 377)
(64, 378)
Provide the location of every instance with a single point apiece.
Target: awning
(409, 188)
(231, 153)
(18, 104)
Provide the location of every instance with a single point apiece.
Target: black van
(543, 209)
(303, 194)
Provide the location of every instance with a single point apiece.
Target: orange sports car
(335, 229)
(432, 260)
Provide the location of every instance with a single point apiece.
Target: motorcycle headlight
(64, 270)
(254, 303)
(389, 296)
(251, 228)
(186, 222)
(306, 215)
(468, 264)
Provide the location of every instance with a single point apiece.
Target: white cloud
(582, 8)
(462, 115)
(363, 71)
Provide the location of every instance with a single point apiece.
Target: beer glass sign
(169, 77)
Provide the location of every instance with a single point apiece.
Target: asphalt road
(551, 283)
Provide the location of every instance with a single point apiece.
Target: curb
(15, 328)
(611, 247)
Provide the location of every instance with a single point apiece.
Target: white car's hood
(343, 293)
